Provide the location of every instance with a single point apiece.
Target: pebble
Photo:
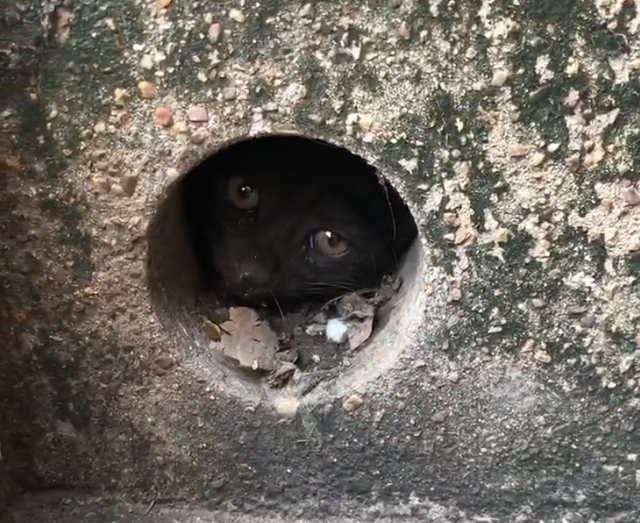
(146, 62)
(587, 321)
(626, 362)
(172, 174)
(573, 162)
(610, 234)
(499, 78)
(306, 11)
(439, 417)
(287, 407)
(181, 127)
(528, 346)
(453, 377)
(197, 114)
(164, 116)
(537, 159)
(229, 93)
(102, 183)
(542, 356)
(628, 425)
(214, 33)
(404, 31)
(236, 15)
(116, 190)
(538, 303)
(165, 3)
(199, 136)
(572, 99)
(129, 182)
(576, 309)
(164, 362)
(630, 195)
(119, 96)
(518, 150)
(352, 403)
(147, 89)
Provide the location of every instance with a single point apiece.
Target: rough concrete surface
(513, 390)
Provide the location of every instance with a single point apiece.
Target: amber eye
(242, 194)
(329, 243)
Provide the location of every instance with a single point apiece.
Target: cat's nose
(252, 275)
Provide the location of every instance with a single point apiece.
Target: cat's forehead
(308, 178)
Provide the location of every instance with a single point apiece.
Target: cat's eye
(242, 194)
(329, 243)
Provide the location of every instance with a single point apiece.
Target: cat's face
(291, 236)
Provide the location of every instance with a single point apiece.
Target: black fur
(257, 257)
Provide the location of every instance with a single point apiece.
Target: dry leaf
(213, 331)
(359, 332)
(355, 306)
(357, 313)
(248, 340)
(282, 374)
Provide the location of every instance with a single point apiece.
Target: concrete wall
(510, 388)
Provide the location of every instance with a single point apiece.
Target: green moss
(539, 104)
(456, 22)
(44, 161)
(314, 78)
(260, 93)
(607, 95)
(83, 71)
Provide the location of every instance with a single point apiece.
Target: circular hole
(277, 261)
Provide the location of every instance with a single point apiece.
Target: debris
(282, 374)
(518, 150)
(356, 313)
(360, 332)
(212, 330)
(287, 407)
(541, 356)
(453, 377)
(247, 339)
(164, 362)
(129, 182)
(164, 116)
(336, 330)
(352, 403)
(59, 23)
(147, 89)
(630, 195)
(499, 78)
(237, 16)
(197, 114)
(214, 33)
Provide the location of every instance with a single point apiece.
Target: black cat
(285, 219)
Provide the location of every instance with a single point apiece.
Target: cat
(283, 220)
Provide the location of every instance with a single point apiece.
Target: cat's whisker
(385, 187)
(322, 287)
(277, 304)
